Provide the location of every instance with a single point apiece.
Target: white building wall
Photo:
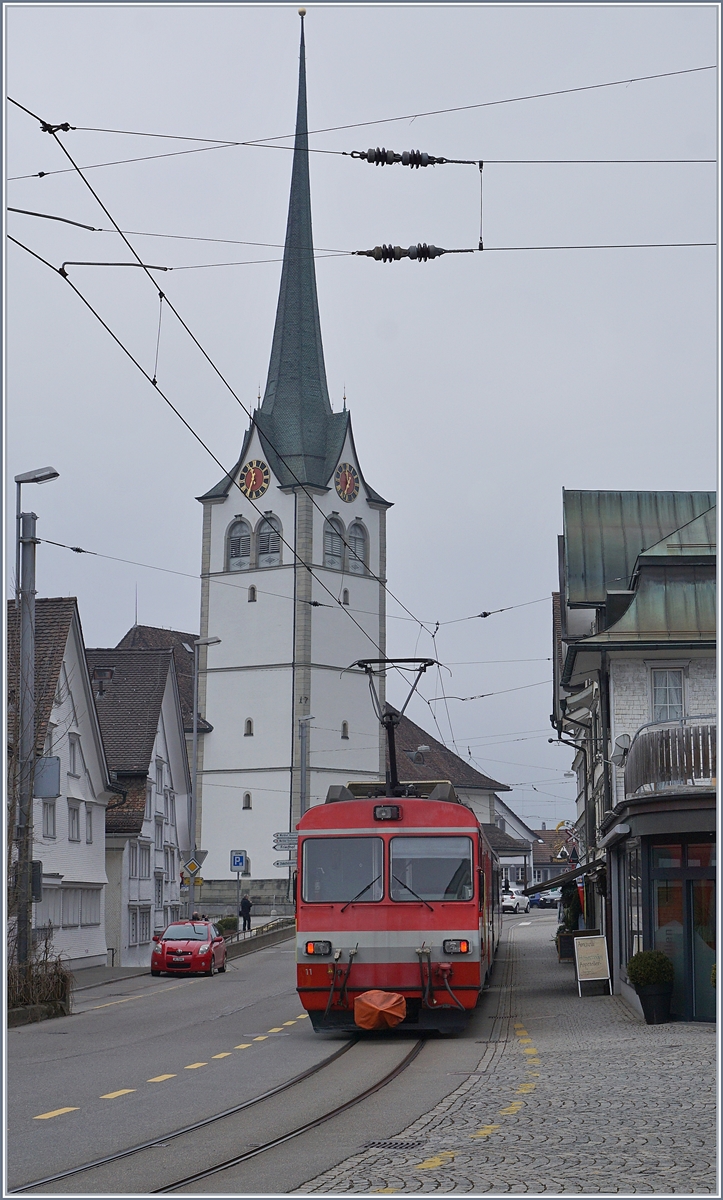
(73, 854)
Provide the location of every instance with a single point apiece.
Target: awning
(583, 869)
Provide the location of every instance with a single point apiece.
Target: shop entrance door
(683, 920)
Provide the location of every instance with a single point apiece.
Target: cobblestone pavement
(571, 1096)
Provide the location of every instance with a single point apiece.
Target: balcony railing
(670, 755)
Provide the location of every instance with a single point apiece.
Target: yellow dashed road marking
(437, 1160)
(57, 1112)
(302, 1016)
(529, 1050)
(192, 1066)
(120, 1092)
(243, 1046)
(381, 1191)
(225, 1054)
(160, 1078)
(276, 1029)
(512, 1108)
(262, 1038)
(485, 1131)
(535, 1073)
(518, 1026)
(527, 1087)
(523, 1040)
(293, 1023)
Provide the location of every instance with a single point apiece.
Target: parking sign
(238, 860)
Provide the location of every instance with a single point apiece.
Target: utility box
(46, 783)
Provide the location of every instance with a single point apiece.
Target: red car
(189, 947)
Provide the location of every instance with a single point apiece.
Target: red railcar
(399, 894)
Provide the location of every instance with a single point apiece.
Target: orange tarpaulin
(379, 1010)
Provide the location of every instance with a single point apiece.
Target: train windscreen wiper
(415, 894)
(361, 893)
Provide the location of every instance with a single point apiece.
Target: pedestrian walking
(245, 913)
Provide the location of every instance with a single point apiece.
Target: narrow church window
(252, 594)
(345, 730)
(345, 596)
(357, 540)
(334, 544)
(268, 538)
(247, 800)
(239, 546)
(249, 728)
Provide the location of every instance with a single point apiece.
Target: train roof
(419, 789)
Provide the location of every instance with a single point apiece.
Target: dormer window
(334, 544)
(357, 542)
(239, 546)
(268, 541)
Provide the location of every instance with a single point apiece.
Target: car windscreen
(341, 869)
(431, 868)
(186, 933)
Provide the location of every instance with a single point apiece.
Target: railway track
(223, 1120)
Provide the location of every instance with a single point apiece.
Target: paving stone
(617, 1107)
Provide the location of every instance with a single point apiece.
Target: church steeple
(295, 418)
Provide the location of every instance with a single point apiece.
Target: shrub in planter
(651, 973)
(228, 924)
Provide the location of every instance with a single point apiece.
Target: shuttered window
(333, 545)
(357, 542)
(239, 546)
(269, 542)
(90, 906)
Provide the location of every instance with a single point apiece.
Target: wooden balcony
(672, 755)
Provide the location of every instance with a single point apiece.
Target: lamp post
(208, 641)
(26, 542)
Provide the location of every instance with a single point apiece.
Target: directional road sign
(286, 841)
(285, 862)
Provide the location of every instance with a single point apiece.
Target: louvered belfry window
(333, 545)
(268, 540)
(357, 541)
(239, 546)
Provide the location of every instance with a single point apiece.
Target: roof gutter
(119, 791)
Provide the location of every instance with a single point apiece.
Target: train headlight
(456, 946)
(387, 812)
(317, 947)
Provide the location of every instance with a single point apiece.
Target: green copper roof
(605, 532)
(696, 539)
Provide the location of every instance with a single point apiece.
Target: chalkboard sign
(591, 960)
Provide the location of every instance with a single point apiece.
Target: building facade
(635, 694)
(69, 827)
(147, 835)
(293, 573)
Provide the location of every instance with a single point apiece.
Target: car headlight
(203, 949)
(157, 949)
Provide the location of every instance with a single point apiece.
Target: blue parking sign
(238, 860)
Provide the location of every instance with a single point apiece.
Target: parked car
(188, 948)
(512, 899)
(551, 898)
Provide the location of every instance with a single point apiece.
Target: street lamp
(42, 475)
(208, 641)
(25, 600)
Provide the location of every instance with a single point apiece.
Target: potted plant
(651, 974)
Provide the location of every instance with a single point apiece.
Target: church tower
(293, 566)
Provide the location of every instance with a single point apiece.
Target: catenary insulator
(421, 252)
(409, 158)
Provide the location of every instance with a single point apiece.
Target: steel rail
(167, 1137)
(294, 1133)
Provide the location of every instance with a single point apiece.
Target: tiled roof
(553, 839)
(130, 705)
(439, 762)
(149, 637)
(128, 817)
(53, 617)
(503, 843)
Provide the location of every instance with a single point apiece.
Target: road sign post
(239, 861)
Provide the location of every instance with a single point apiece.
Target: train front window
(431, 868)
(338, 870)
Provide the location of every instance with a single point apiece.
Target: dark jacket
(245, 908)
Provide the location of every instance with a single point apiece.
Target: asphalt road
(141, 1058)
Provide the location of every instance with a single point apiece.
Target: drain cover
(393, 1145)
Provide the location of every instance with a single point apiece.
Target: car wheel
(156, 973)
(212, 968)
(222, 968)
(528, 908)
(516, 909)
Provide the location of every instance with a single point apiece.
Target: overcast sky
(479, 385)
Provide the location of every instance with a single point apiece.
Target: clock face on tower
(346, 482)
(254, 478)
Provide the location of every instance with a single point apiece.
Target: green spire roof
(295, 416)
